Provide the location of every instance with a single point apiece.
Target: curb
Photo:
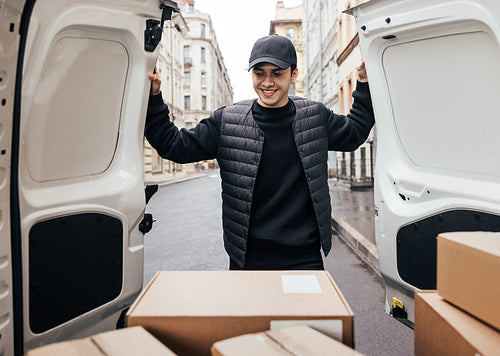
(178, 180)
(366, 249)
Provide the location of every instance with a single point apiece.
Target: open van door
(434, 77)
(74, 92)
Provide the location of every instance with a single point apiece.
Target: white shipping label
(332, 328)
(300, 283)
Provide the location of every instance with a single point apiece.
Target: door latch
(146, 224)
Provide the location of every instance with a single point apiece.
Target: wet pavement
(353, 219)
(354, 206)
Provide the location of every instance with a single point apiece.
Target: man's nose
(268, 81)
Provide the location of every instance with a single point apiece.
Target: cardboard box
(191, 310)
(124, 342)
(443, 329)
(468, 273)
(297, 340)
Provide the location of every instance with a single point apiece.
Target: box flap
(135, 341)
(130, 341)
(83, 347)
(303, 340)
(297, 340)
(248, 345)
(488, 242)
(236, 293)
(483, 338)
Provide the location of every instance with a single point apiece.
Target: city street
(187, 235)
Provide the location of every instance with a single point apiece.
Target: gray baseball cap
(274, 49)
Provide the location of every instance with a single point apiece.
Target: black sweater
(282, 209)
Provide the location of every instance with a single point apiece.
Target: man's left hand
(361, 72)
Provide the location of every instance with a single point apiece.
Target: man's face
(271, 84)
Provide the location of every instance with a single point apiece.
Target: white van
(434, 70)
(74, 93)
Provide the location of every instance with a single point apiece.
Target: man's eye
(278, 74)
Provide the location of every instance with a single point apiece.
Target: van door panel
(434, 79)
(80, 177)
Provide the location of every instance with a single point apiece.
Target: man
(272, 152)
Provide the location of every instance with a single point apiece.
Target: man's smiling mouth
(268, 92)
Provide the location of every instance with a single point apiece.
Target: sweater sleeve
(348, 132)
(181, 145)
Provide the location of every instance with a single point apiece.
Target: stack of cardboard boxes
(230, 313)
(191, 311)
(463, 316)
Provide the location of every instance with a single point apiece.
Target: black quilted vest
(239, 152)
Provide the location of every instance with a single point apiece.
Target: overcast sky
(238, 24)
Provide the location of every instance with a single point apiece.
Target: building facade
(195, 82)
(206, 85)
(354, 168)
(288, 23)
(331, 55)
(320, 53)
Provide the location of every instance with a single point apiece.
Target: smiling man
(272, 152)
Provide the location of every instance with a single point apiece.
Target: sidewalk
(353, 219)
(182, 177)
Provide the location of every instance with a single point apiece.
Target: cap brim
(277, 62)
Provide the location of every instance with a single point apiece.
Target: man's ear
(295, 74)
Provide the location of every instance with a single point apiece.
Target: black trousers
(269, 255)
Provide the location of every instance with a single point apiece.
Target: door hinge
(154, 28)
(167, 7)
(152, 35)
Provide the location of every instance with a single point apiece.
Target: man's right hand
(155, 83)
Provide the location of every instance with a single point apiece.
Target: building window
(187, 79)
(187, 102)
(348, 95)
(341, 100)
(203, 80)
(343, 166)
(203, 55)
(187, 54)
(203, 102)
(291, 89)
(290, 34)
(156, 162)
(190, 8)
(203, 29)
(353, 164)
(363, 162)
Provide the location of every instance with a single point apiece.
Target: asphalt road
(187, 235)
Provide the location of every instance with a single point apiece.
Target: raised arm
(181, 146)
(348, 132)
